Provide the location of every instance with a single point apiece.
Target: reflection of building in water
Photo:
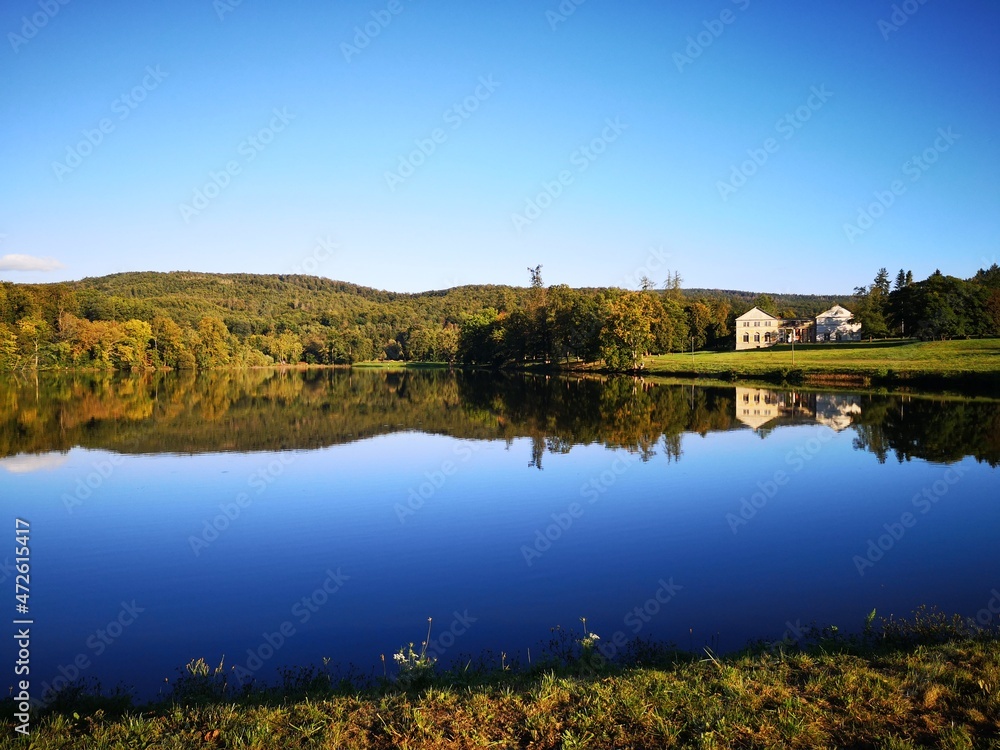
(757, 407)
(836, 410)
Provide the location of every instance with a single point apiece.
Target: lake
(282, 517)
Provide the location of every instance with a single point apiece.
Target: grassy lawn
(929, 682)
(399, 365)
(885, 359)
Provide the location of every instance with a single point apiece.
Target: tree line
(206, 321)
(615, 326)
(939, 307)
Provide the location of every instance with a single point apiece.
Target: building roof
(837, 311)
(761, 313)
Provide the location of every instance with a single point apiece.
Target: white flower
(594, 636)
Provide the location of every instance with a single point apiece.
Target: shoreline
(965, 367)
(928, 679)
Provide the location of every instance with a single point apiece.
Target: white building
(756, 329)
(835, 325)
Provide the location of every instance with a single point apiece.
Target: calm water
(279, 518)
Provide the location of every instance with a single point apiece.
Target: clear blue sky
(886, 93)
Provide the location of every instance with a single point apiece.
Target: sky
(411, 145)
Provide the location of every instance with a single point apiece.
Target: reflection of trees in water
(623, 412)
(247, 410)
(934, 430)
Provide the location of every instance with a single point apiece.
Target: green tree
(882, 281)
(481, 339)
(672, 285)
(420, 343)
(9, 358)
(699, 320)
(719, 330)
(168, 344)
(766, 303)
(870, 312)
(447, 343)
(289, 348)
(900, 280)
(871, 306)
(213, 347)
(536, 277)
(948, 307)
(15, 303)
(34, 334)
(574, 321)
(669, 324)
(626, 335)
(518, 336)
(129, 351)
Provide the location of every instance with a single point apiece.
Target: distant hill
(804, 305)
(187, 296)
(286, 299)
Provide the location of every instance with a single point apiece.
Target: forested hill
(203, 320)
(188, 296)
(795, 305)
(249, 299)
(269, 299)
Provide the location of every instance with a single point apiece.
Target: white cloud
(14, 262)
(24, 463)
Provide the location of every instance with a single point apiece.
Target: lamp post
(791, 332)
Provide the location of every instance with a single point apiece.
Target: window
(756, 338)
(746, 398)
(767, 337)
(746, 338)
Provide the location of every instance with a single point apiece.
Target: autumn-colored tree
(130, 351)
(33, 336)
(213, 348)
(169, 346)
(8, 347)
(626, 335)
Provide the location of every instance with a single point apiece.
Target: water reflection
(617, 484)
(266, 410)
(763, 409)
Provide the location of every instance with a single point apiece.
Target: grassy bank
(400, 365)
(927, 682)
(974, 361)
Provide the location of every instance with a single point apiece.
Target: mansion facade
(756, 329)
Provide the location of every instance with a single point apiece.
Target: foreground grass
(880, 360)
(930, 683)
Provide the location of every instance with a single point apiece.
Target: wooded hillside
(201, 320)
